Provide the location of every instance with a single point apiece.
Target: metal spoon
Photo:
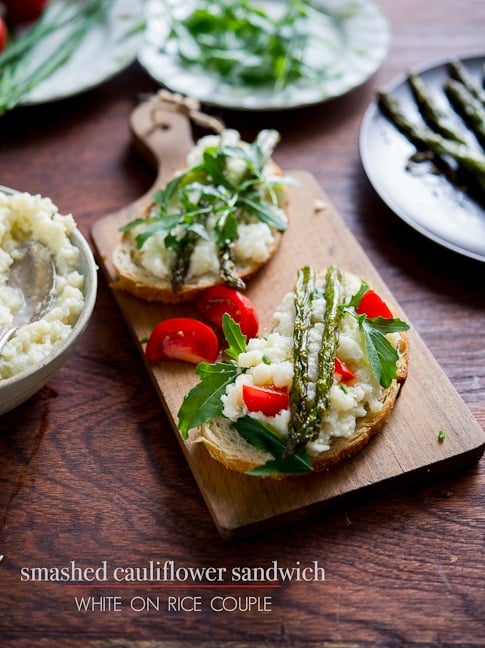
(33, 275)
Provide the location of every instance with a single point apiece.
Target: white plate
(106, 50)
(425, 200)
(350, 48)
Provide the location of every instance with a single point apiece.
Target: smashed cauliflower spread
(254, 242)
(26, 217)
(268, 361)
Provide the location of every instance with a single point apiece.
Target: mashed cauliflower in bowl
(37, 350)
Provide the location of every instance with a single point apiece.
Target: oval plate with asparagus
(422, 145)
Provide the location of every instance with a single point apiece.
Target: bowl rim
(88, 267)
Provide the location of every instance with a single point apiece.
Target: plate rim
(388, 197)
(234, 102)
(129, 8)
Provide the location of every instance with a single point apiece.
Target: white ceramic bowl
(18, 388)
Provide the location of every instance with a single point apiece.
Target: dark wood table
(90, 469)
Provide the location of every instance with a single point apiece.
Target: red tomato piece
(343, 371)
(3, 34)
(373, 306)
(217, 300)
(20, 11)
(268, 400)
(182, 338)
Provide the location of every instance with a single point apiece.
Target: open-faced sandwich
(216, 222)
(310, 392)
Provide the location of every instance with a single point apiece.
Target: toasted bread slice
(147, 276)
(139, 281)
(229, 448)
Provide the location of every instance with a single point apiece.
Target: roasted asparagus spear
(435, 117)
(308, 411)
(424, 138)
(459, 72)
(468, 106)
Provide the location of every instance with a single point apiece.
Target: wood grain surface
(91, 470)
(408, 446)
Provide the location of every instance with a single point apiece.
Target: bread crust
(226, 445)
(138, 281)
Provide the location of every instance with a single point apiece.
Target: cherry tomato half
(20, 11)
(268, 400)
(343, 371)
(3, 34)
(217, 300)
(182, 338)
(373, 306)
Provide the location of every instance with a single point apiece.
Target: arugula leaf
(226, 228)
(356, 299)
(382, 355)
(132, 224)
(257, 154)
(164, 196)
(203, 402)
(386, 324)
(263, 147)
(183, 208)
(234, 338)
(242, 43)
(215, 165)
(254, 204)
(261, 436)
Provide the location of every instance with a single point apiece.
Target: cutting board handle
(161, 130)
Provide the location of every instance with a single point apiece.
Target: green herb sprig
(203, 403)
(184, 205)
(243, 43)
(382, 355)
(25, 63)
(261, 436)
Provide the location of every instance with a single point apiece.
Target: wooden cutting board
(407, 448)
